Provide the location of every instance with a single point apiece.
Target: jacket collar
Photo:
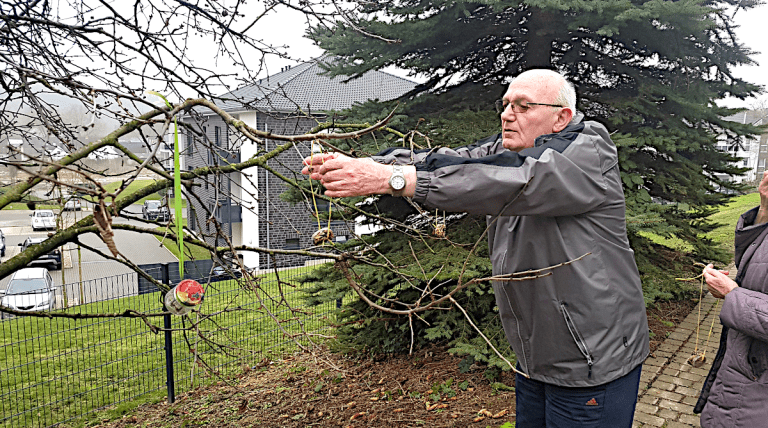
(573, 126)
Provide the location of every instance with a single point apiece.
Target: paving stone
(678, 407)
(651, 420)
(690, 400)
(651, 369)
(679, 335)
(700, 371)
(677, 425)
(663, 354)
(668, 415)
(693, 420)
(673, 396)
(648, 399)
(675, 380)
(646, 408)
(668, 348)
(690, 376)
(691, 392)
(664, 385)
(655, 362)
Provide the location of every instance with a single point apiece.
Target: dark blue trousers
(611, 405)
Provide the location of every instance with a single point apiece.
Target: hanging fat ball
(439, 230)
(322, 235)
(697, 360)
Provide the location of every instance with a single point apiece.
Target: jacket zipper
(580, 343)
(517, 321)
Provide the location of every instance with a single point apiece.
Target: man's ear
(563, 119)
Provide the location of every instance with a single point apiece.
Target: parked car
(73, 204)
(219, 273)
(53, 258)
(2, 244)
(43, 219)
(155, 210)
(30, 289)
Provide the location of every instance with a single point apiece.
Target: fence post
(168, 339)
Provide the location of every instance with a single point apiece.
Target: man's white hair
(566, 96)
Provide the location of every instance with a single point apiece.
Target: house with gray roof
(246, 205)
(752, 152)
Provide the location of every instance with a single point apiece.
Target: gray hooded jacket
(585, 323)
(737, 387)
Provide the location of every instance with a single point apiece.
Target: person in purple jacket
(736, 389)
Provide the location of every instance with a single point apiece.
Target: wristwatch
(397, 180)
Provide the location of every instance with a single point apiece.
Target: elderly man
(550, 187)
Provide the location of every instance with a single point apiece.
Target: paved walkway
(669, 386)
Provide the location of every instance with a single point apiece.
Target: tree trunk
(541, 35)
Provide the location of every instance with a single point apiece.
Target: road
(86, 275)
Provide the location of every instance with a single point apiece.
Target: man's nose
(508, 115)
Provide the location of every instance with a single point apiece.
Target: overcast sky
(752, 32)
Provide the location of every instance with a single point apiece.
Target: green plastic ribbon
(176, 187)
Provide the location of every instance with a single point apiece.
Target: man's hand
(343, 176)
(718, 282)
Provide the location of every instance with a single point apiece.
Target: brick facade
(281, 225)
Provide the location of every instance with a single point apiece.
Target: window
(322, 205)
(216, 136)
(763, 149)
(291, 244)
(745, 162)
(761, 164)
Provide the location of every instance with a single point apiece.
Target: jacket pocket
(757, 357)
(578, 338)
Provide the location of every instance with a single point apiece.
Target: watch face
(397, 182)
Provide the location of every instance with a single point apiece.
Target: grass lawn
(53, 370)
(727, 216)
(191, 252)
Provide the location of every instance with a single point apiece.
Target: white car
(43, 219)
(30, 289)
(73, 205)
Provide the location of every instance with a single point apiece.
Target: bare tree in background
(68, 67)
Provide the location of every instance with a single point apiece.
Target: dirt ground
(330, 390)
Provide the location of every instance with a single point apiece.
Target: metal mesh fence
(56, 371)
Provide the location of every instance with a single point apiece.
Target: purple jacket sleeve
(746, 311)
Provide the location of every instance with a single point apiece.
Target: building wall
(267, 221)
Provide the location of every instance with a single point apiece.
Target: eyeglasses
(519, 106)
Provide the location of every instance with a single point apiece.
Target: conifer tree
(651, 71)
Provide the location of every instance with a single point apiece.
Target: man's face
(519, 130)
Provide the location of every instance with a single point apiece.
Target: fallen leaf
(357, 415)
(442, 406)
(374, 398)
(381, 381)
(351, 404)
(399, 410)
(243, 407)
(500, 414)
(485, 412)
(478, 419)
(432, 407)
